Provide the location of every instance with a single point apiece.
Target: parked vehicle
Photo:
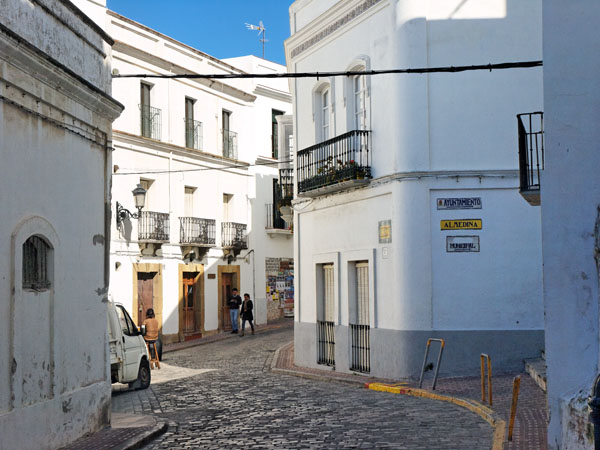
(129, 359)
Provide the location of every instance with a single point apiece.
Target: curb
(487, 414)
(142, 439)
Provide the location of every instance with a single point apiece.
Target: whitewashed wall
(54, 132)
(569, 196)
(433, 135)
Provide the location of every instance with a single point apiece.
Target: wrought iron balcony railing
(153, 226)
(233, 235)
(274, 219)
(197, 231)
(150, 121)
(286, 186)
(230, 147)
(531, 154)
(193, 134)
(345, 157)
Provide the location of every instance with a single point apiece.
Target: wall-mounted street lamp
(139, 195)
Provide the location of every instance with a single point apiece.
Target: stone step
(536, 368)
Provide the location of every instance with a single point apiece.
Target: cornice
(152, 144)
(327, 24)
(175, 69)
(273, 93)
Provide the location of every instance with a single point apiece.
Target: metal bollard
(594, 405)
(489, 377)
(513, 406)
(439, 359)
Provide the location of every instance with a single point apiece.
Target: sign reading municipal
(461, 224)
(459, 203)
(461, 244)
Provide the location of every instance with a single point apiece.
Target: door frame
(157, 291)
(235, 270)
(199, 300)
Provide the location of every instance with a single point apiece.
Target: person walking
(234, 303)
(247, 315)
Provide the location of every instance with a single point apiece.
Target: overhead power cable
(348, 73)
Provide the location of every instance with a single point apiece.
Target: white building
(202, 149)
(570, 195)
(409, 224)
(55, 138)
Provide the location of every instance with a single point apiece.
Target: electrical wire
(348, 73)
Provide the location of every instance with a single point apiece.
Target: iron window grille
(361, 348)
(345, 157)
(233, 235)
(153, 226)
(531, 149)
(194, 230)
(325, 343)
(193, 134)
(150, 119)
(36, 258)
(230, 145)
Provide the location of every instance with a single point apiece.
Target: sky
(216, 27)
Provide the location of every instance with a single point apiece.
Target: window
(325, 111)
(359, 89)
(188, 207)
(227, 205)
(359, 323)
(275, 133)
(326, 324)
(36, 260)
(145, 109)
(189, 123)
(127, 325)
(229, 137)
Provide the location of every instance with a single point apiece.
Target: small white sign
(459, 203)
(461, 244)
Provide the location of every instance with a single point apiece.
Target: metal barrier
(513, 406)
(489, 377)
(437, 367)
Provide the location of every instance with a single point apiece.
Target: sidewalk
(133, 431)
(530, 424)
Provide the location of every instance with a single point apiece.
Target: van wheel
(143, 379)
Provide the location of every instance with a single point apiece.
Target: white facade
(429, 138)
(55, 137)
(194, 175)
(570, 195)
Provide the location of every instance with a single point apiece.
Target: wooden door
(145, 294)
(189, 302)
(226, 286)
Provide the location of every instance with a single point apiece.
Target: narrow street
(232, 400)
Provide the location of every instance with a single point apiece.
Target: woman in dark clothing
(247, 313)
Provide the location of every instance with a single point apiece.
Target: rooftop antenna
(261, 30)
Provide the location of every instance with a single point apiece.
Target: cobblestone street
(239, 403)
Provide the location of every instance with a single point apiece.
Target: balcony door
(189, 302)
(145, 292)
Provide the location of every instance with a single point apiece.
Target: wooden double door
(192, 309)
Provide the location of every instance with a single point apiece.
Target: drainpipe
(594, 404)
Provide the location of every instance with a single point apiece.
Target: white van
(129, 359)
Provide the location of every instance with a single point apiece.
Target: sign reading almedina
(460, 224)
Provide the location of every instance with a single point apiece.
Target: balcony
(233, 235)
(531, 155)
(150, 122)
(230, 147)
(334, 165)
(286, 186)
(193, 134)
(275, 223)
(196, 231)
(153, 226)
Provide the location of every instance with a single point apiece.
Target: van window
(127, 324)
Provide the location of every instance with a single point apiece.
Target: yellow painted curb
(487, 414)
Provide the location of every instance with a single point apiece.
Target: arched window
(36, 262)
(359, 95)
(323, 111)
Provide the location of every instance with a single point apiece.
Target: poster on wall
(280, 284)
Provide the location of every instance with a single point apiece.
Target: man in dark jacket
(247, 313)
(234, 303)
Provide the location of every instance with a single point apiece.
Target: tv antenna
(261, 31)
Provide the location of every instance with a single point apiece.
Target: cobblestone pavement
(242, 404)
